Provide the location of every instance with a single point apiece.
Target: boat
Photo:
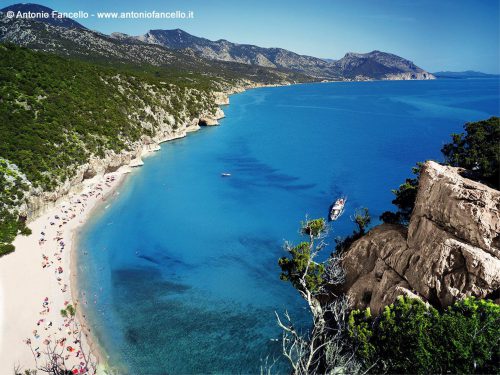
(225, 174)
(337, 208)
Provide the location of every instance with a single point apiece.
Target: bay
(182, 267)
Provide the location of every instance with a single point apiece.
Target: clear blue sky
(437, 35)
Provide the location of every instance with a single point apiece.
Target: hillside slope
(57, 115)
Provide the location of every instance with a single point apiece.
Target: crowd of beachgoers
(57, 334)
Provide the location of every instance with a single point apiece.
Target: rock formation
(450, 250)
(210, 120)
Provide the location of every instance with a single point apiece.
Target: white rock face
(221, 98)
(466, 209)
(450, 250)
(409, 76)
(211, 120)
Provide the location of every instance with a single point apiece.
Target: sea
(180, 271)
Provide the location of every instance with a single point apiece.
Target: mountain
(242, 53)
(179, 50)
(373, 65)
(378, 65)
(465, 74)
(92, 46)
(43, 14)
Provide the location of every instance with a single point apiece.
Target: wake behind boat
(337, 209)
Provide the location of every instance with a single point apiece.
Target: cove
(182, 266)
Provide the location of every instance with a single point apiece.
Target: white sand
(25, 283)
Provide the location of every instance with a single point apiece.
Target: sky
(436, 35)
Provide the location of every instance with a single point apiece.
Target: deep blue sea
(183, 264)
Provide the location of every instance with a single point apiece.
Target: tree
(406, 195)
(478, 150)
(362, 219)
(52, 358)
(323, 348)
(301, 270)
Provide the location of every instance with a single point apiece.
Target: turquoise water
(183, 265)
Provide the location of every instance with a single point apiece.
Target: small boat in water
(337, 208)
(225, 174)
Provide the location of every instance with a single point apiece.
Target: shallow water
(181, 274)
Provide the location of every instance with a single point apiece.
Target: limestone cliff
(166, 127)
(450, 250)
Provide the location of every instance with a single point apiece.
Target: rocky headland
(450, 250)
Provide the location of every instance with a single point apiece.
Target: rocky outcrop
(212, 119)
(450, 250)
(407, 76)
(221, 98)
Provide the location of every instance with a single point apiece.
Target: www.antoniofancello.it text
(177, 14)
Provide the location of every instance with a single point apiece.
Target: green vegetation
(56, 113)
(362, 220)
(478, 150)
(410, 337)
(68, 311)
(301, 270)
(13, 186)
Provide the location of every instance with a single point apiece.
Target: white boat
(337, 208)
(225, 174)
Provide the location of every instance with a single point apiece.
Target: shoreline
(39, 284)
(20, 344)
(49, 285)
(97, 350)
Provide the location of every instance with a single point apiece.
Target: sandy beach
(35, 285)
(38, 280)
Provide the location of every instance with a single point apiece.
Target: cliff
(450, 250)
(167, 128)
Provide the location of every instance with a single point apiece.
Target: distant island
(465, 74)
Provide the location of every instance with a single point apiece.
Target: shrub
(411, 337)
(478, 149)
